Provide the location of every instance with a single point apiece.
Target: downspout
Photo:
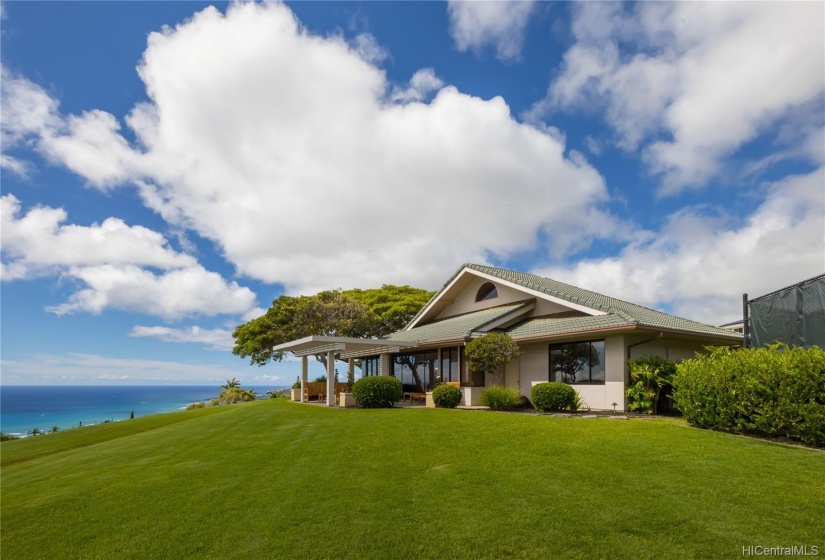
(657, 337)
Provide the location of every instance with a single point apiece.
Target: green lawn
(273, 479)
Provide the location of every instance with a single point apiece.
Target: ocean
(23, 408)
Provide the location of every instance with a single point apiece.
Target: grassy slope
(272, 479)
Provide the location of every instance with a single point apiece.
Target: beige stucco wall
(466, 300)
(534, 367)
(671, 349)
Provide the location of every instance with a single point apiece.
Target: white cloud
(110, 259)
(287, 151)
(692, 82)
(40, 243)
(475, 24)
(17, 166)
(215, 339)
(366, 45)
(171, 295)
(700, 265)
(422, 84)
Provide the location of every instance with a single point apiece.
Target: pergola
(346, 349)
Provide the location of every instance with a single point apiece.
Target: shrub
(553, 396)
(297, 384)
(194, 405)
(377, 392)
(773, 391)
(7, 437)
(447, 396)
(235, 395)
(648, 376)
(499, 397)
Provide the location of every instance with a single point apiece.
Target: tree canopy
(357, 313)
(488, 353)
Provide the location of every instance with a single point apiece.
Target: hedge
(772, 391)
(377, 392)
(552, 396)
(446, 396)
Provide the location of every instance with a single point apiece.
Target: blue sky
(170, 168)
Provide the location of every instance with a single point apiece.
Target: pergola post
(304, 373)
(330, 378)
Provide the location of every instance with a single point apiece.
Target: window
(486, 291)
(450, 365)
(577, 362)
(369, 366)
(416, 371)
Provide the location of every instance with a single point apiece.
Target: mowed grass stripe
(273, 479)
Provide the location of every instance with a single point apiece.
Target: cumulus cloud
(215, 339)
(288, 152)
(692, 82)
(422, 84)
(111, 260)
(171, 295)
(27, 113)
(476, 24)
(366, 45)
(701, 265)
(40, 243)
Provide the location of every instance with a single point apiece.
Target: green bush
(553, 396)
(648, 376)
(377, 392)
(500, 397)
(194, 405)
(774, 391)
(447, 396)
(234, 395)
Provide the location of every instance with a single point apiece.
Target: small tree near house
(488, 353)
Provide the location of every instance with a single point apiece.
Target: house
(566, 334)
(735, 326)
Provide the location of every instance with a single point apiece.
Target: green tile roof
(618, 313)
(456, 327)
(549, 326)
(625, 312)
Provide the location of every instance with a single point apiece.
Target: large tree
(392, 306)
(356, 313)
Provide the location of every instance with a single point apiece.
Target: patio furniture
(413, 395)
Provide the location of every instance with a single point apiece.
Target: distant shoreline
(26, 407)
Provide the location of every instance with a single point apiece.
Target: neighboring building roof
(617, 312)
(461, 326)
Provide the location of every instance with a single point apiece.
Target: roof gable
(565, 295)
(458, 297)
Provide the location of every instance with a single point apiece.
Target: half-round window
(487, 291)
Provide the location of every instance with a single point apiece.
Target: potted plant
(296, 390)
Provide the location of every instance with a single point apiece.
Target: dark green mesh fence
(794, 315)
